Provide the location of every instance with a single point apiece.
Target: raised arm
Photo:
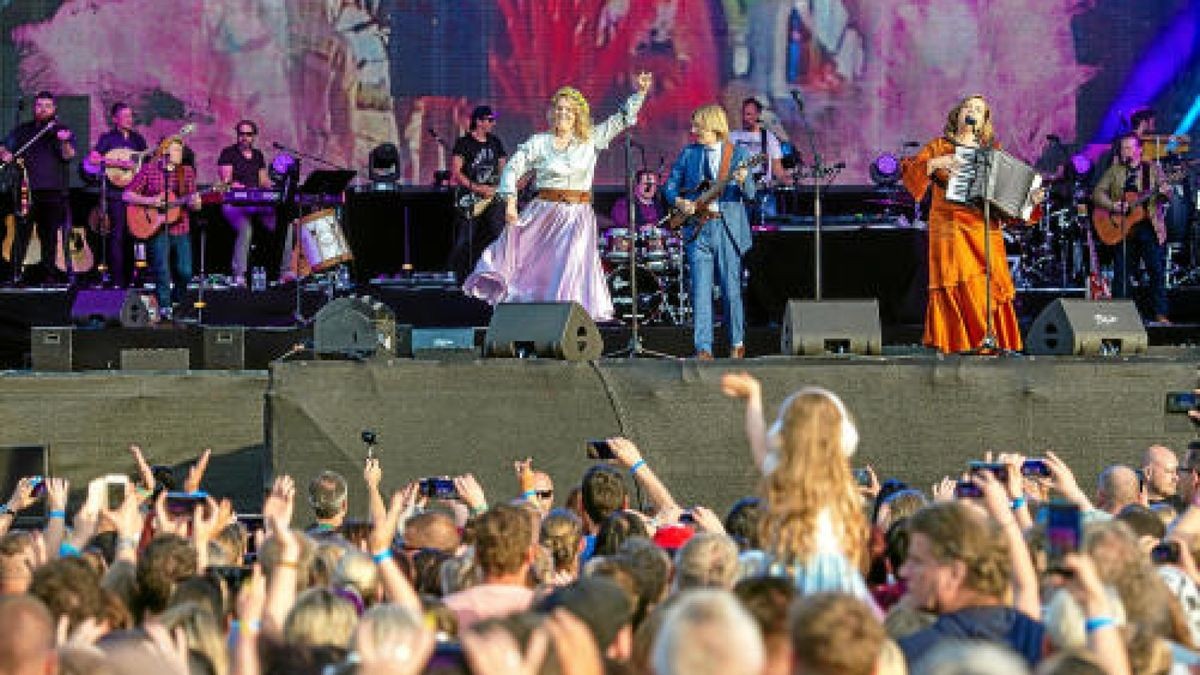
(630, 458)
(624, 118)
(745, 386)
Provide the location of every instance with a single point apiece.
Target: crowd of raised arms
(1009, 567)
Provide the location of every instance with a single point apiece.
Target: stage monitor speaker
(17, 462)
(114, 307)
(436, 343)
(51, 348)
(815, 328)
(548, 330)
(1087, 328)
(173, 358)
(225, 347)
(355, 326)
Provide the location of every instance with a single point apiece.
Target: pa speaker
(51, 348)
(225, 347)
(355, 326)
(1087, 328)
(172, 358)
(548, 330)
(113, 307)
(813, 328)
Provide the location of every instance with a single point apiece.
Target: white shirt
(752, 141)
(572, 168)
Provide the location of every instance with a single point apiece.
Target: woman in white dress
(548, 253)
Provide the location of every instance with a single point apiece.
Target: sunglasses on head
(545, 494)
(247, 133)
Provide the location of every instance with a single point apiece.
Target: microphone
(277, 145)
(798, 99)
(971, 121)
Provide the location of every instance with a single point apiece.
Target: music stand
(327, 182)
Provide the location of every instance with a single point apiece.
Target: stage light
(885, 170)
(791, 158)
(1082, 165)
(282, 166)
(383, 163)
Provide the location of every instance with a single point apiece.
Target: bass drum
(649, 291)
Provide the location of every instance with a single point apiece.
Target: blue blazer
(688, 173)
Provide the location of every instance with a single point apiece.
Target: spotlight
(282, 166)
(382, 163)
(885, 170)
(1082, 166)
(791, 158)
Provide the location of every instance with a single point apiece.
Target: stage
(920, 415)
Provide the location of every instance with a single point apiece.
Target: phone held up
(1064, 532)
(1180, 402)
(599, 450)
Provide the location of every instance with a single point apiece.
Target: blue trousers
(712, 252)
(1141, 244)
(171, 260)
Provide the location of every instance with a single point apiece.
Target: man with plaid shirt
(156, 184)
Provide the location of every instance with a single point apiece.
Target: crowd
(1009, 567)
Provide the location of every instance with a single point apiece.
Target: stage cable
(618, 412)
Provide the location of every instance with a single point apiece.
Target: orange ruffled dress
(955, 315)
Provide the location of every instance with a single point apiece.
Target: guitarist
(475, 166)
(719, 235)
(1116, 192)
(122, 136)
(157, 183)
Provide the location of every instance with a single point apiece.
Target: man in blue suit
(717, 236)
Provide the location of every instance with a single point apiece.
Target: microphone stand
(319, 160)
(818, 172)
(983, 161)
(633, 348)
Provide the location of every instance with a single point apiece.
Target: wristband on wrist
(528, 495)
(476, 510)
(385, 554)
(290, 564)
(637, 465)
(1098, 622)
(57, 513)
(4, 510)
(67, 550)
(1018, 502)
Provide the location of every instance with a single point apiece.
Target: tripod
(633, 349)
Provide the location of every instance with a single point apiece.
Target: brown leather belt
(565, 196)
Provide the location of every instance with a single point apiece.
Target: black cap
(598, 602)
(481, 112)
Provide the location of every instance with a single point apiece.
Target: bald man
(1117, 487)
(26, 637)
(1161, 469)
(431, 529)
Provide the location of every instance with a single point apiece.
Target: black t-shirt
(481, 160)
(112, 140)
(43, 160)
(245, 171)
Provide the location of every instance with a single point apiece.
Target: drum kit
(660, 275)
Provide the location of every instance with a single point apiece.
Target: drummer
(649, 207)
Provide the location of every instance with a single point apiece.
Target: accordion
(1007, 182)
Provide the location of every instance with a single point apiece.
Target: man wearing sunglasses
(242, 165)
(475, 167)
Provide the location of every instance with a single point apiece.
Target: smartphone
(233, 575)
(862, 477)
(253, 523)
(38, 485)
(114, 489)
(184, 503)
(686, 518)
(1180, 401)
(965, 489)
(997, 469)
(1036, 468)
(599, 450)
(1165, 553)
(439, 488)
(1064, 532)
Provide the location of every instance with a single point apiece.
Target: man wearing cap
(475, 167)
(604, 608)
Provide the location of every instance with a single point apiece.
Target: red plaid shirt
(149, 182)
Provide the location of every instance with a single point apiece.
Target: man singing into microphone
(1144, 238)
(956, 316)
(46, 162)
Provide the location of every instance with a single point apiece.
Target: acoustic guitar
(122, 164)
(709, 192)
(82, 259)
(1113, 226)
(145, 221)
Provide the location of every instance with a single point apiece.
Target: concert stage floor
(920, 415)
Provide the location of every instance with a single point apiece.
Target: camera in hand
(1036, 468)
(599, 450)
(184, 503)
(862, 477)
(1165, 553)
(687, 517)
(369, 436)
(38, 486)
(439, 488)
(997, 469)
(1180, 401)
(965, 489)
(1064, 532)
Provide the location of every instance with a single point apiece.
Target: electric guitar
(473, 205)
(1098, 288)
(1112, 226)
(145, 221)
(709, 192)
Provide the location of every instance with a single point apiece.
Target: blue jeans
(1142, 244)
(170, 268)
(713, 251)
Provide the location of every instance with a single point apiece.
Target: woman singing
(548, 253)
(955, 318)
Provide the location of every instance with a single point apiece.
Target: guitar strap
(726, 158)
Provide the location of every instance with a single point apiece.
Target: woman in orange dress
(955, 318)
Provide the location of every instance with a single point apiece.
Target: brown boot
(704, 355)
(738, 352)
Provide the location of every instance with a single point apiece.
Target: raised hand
(196, 473)
(644, 81)
(144, 471)
(280, 501)
(741, 385)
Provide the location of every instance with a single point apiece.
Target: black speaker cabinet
(812, 328)
(548, 330)
(225, 347)
(156, 359)
(114, 307)
(355, 326)
(51, 348)
(1087, 328)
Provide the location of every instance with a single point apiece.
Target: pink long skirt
(549, 256)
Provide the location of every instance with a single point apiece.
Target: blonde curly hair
(583, 112)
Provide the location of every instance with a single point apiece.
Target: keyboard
(267, 197)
